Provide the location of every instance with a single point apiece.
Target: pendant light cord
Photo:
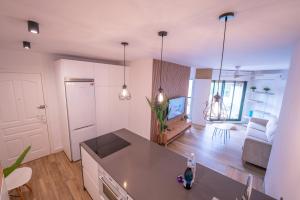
(161, 54)
(223, 47)
(124, 65)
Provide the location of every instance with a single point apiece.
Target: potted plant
(266, 89)
(253, 88)
(160, 111)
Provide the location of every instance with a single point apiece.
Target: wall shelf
(263, 112)
(254, 100)
(263, 92)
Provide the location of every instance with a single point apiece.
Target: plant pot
(162, 139)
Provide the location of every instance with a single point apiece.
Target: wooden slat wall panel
(175, 82)
(1, 178)
(203, 73)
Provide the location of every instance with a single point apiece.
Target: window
(233, 94)
(189, 99)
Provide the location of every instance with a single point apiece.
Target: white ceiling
(260, 37)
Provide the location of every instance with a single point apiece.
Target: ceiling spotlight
(33, 27)
(26, 45)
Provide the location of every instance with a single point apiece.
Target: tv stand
(175, 128)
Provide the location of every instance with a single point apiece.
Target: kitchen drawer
(91, 186)
(90, 174)
(89, 164)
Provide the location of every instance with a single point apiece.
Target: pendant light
(161, 97)
(124, 94)
(216, 110)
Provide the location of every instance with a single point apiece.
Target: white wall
(200, 95)
(23, 61)
(283, 174)
(140, 86)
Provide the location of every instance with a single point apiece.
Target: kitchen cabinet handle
(83, 127)
(41, 107)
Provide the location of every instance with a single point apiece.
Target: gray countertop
(150, 172)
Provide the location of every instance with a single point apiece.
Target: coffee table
(223, 130)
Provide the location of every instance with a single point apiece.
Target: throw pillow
(271, 129)
(256, 126)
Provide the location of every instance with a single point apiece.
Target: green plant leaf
(18, 162)
(160, 111)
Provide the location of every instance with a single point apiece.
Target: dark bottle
(188, 178)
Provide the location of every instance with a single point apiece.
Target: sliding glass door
(233, 94)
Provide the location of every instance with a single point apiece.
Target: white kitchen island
(144, 170)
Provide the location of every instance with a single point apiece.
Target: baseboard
(56, 150)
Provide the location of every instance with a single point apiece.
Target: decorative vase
(162, 138)
(253, 88)
(266, 89)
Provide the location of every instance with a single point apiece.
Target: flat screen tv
(176, 107)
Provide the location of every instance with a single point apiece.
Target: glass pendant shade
(161, 97)
(124, 94)
(216, 109)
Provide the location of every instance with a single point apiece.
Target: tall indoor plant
(160, 110)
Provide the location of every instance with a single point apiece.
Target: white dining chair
(248, 188)
(18, 179)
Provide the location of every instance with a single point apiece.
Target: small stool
(223, 130)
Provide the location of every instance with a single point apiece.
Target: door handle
(41, 107)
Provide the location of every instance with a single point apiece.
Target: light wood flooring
(55, 178)
(213, 153)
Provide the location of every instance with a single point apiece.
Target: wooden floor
(213, 153)
(55, 178)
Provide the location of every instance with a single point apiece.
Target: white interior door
(22, 117)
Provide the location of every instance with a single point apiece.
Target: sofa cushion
(271, 129)
(256, 126)
(261, 135)
(256, 152)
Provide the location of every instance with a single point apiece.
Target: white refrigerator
(80, 98)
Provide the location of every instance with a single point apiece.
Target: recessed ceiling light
(33, 27)
(26, 45)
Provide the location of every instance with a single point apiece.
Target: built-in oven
(109, 189)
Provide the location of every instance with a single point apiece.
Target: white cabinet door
(111, 113)
(78, 136)
(90, 174)
(22, 117)
(81, 104)
(77, 69)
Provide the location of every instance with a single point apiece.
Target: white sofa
(258, 143)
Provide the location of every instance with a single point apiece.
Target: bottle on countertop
(191, 163)
(188, 178)
(190, 172)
